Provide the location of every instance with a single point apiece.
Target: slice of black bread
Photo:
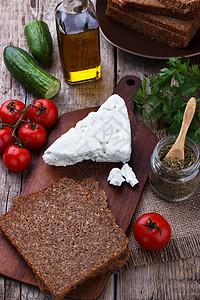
(163, 7)
(64, 236)
(183, 6)
(20, 199)
(152, 29)
(98, 196)
(91, 186)
(178, 26)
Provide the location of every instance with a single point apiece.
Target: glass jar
(174, 185)
(78, 41)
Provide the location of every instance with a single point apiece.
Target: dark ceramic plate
(138, 44)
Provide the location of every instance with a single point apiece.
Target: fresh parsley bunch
(170, 92)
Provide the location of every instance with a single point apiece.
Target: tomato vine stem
(151, 225)
(12, 109)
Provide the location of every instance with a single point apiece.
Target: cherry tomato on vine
(16, 159)
(5, 138)
(10, 112)
(32, 136)
(152, 231)
(46, 115)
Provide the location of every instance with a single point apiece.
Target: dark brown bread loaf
(181, 27)
(154, 30)
(98, 196)
(20, 199)
(183, 6)
(64, 236)
(90, 185)
(157, 7)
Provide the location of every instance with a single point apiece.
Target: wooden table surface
(173, 280)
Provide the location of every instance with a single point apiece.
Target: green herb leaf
(169, 94)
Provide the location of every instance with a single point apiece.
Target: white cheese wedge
(102, 136)
(117, 176)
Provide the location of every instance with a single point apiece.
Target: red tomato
(32, 136)
(10, 112)
(47, 115)
(152, 231)
(16, 159)
(5, 138)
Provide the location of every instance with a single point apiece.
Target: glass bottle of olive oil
(78, 41)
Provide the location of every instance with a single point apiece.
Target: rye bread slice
(64, 236)
(181, 27)
(91, 186)
(157, 7)
(111, 267)
(152, 30)
(20, 199)
(183, 6)
(98, 196)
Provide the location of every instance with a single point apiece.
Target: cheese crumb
(118, 176)
(115, 177)
(129, 175)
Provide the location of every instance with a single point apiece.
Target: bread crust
(98, 196)
(157, 7)
(169, 23)
(153, 30)
(183, 6)
(22, 223)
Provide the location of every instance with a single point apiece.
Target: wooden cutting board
(122, 200)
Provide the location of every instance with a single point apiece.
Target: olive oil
(78, 40)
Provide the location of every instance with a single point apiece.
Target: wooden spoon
(177, 149)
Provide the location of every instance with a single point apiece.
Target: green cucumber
(26, 70)
(39, 40)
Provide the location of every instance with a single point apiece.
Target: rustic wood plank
(182, 276)
(11, 31)
(174, 280)
(16, 14)
(33, 293)
(138, 66)
(12, 289)
(141, 67)
(2, 287)
(42, 176)
(108, 293)
(87, 94)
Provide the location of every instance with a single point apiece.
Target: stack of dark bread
(66, 233)
(172, 22)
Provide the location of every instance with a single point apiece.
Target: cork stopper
(75, 6)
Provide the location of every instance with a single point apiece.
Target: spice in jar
(177, 163)
(174, 184)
